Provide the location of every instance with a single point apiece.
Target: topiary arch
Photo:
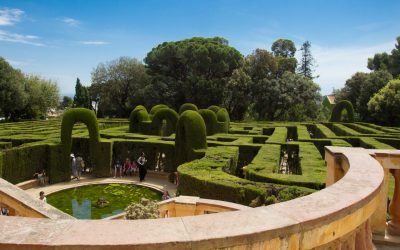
(210, 119)
(70, 117)
(187, 106)
(137, 117)
(167, 114)
(337, 111)
(191, 138)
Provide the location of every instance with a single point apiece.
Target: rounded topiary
(337, 111)
(210, 119)
(223, 120)
(138, 115)
(157, 107)
(191, 137)
(187, 106)
(214, 108)
(167, 114)
(70, 117)
(73, 115)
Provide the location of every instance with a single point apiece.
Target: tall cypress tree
(307, 62)
(81, 98)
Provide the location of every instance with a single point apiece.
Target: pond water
(99, 201)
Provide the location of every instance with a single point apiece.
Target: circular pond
(99, 201)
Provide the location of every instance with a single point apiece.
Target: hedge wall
(191, 137)
(187, 106)
(337, 111)
(137, 117)
(210, 119)
(167, 114)
(206, 178)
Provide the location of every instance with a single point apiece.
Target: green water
(82, 202)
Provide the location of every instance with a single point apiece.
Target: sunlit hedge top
(157, 107)
(190, 136)
(167, 114)
(210, 119)
(187, 106)
(139, 114)
(214, 108)
(73, 115)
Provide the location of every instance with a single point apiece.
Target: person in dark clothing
(142, 169)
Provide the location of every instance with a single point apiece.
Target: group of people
(130, 168)
(77, 166)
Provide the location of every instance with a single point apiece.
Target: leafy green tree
(13, 97)
(385, 61)
(307, 61)
(352, 89)
(81, 98)
(384, 106)
(283, 48)
(282, 99)
(237, 96)
(260, 65)
(376, 80)
(118, 86)
(194, 70)
(42, 95)
(380, 61)
(67, 102)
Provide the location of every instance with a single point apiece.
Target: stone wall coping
(200, 201)
(357, 189)
(15, 193)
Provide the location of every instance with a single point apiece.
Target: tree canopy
(25, 96)
(118, 86)
(385, 105)
(194, 70)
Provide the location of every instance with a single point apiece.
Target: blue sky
(63, 40)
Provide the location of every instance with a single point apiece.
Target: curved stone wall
(336, 216)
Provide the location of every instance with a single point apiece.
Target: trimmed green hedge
(223, 120)
(191, 137)
(214, 108)
(139, 120)
(210, 119)
(164, 114)
(337, 111)
(157, 107)
(187, 106)
(265, 165)
(279, 135)
(207, 178)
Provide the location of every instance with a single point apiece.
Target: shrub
(214, 108)
(145, 209)
(164, 114)
(157, 107)
(137, 117)
(210, 119)
(191, 137)
(187, 106)
(223, 120)
(337, 112)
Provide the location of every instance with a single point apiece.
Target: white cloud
(71, 22)
(337, 64)
(94, 42)
(19, 38)
(17, 63)
(9, 17)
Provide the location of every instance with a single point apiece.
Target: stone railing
(338, 217)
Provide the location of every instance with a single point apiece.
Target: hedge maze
(254, 163)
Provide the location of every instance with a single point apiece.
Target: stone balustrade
(337, 217)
